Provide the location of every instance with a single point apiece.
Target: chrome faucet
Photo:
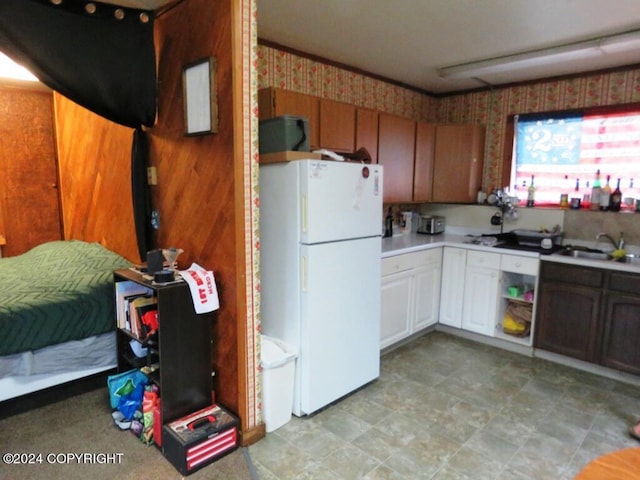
(619, 245)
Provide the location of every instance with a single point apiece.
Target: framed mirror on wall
(200, 98)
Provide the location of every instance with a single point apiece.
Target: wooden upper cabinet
(458, 163)
(396, 142)
(424, 159)
(275, 102)
(337, 125)
(367, 132)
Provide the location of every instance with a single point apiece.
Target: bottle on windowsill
(595, 192)
(586, 197)
(616, 199)
(605, 195)
(575, 198)
(531, 194)
(564, 195)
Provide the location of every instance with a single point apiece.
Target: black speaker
(154, 261)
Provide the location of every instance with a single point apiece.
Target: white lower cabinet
(519, 281)
(427, 289)
(469, 289)
(454, 265)
(473, 288)
(410, 294)
(481, 286)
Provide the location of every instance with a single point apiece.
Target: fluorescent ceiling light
(548, 56)
(10, 69)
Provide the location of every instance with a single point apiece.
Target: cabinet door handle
(303, 273)
(304, 214)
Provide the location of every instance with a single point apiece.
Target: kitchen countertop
(415, 242)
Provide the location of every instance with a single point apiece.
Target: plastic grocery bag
(124, 383)
(130, 402)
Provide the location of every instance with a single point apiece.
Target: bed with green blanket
(56, 297)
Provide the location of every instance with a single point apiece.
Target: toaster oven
(431, 224)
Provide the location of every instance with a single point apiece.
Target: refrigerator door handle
(303, 273)
(304, 214)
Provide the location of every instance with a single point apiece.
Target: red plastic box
(199, 439)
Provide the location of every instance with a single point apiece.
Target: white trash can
(278, 374)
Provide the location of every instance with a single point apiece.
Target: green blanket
(56, 292)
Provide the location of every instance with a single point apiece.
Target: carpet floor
(53, 436)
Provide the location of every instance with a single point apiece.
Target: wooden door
(423, 168)
(337, 126)
(367, 132)
(396, 143)
(458, 163)
(29, 202)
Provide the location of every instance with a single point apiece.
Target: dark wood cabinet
(590, 314)
(180, 353)
(621, 336)
(568, 320)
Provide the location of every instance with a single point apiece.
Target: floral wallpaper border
(248, 37)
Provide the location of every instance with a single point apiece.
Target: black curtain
(98, 55)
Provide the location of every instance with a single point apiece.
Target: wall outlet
(152, 176)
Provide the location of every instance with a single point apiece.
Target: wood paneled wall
(196, 192)
(95, 178)
(29, 213)
(196, 189)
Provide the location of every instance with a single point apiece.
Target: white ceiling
(409, 40)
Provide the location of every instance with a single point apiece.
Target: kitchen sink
(586, 254)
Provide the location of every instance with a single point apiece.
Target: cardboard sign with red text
(203, 288)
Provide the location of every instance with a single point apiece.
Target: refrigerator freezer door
(340, 321)
(339, 200)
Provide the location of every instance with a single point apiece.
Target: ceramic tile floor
(449, 408)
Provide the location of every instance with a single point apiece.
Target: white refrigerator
(320, 260)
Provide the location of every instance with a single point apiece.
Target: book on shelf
(123, 291)
(138, 307)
